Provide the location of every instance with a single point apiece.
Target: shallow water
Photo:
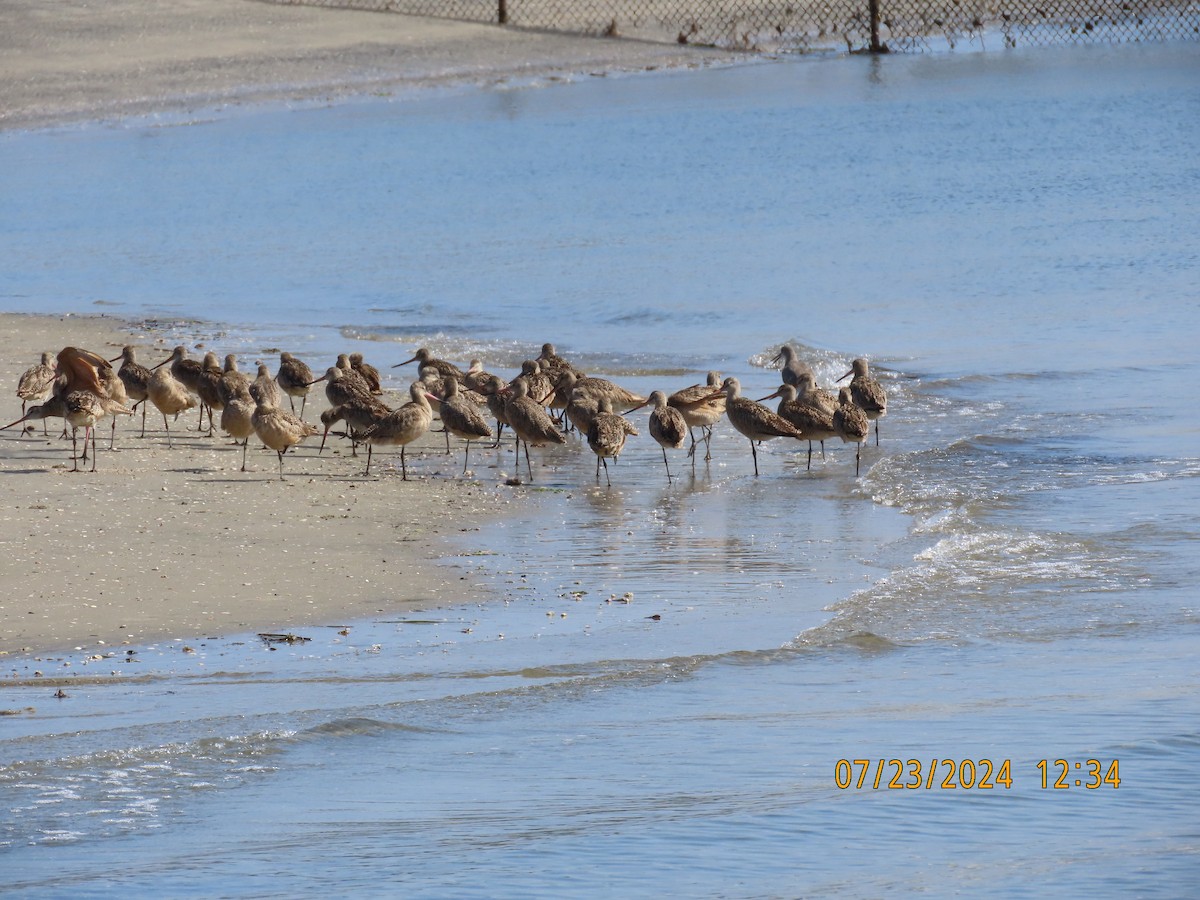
(1009, 237)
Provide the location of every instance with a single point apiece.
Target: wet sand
(73, 61)
(179, 543)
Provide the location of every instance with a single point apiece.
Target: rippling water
(658, 697)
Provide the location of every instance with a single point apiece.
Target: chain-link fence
(778, 25)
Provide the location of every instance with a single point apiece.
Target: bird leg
(74, 450)
(91, 429)
(244, 444)
(370, 447)
(528, 470)
(167, 426)
(466, 453)
(403, 464)
(754, 450)
(668, 465)
(281, 452)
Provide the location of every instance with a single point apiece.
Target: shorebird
(233, 382)
(754, 420)
(279, 429)
(808, 392)
(530, 421)
(36, 382)
(541, 386)
(187, 373)
(264, 385)
(54, 408)
(867, 393)
(169, 396)
(667, 426)
(425, 358)
(701, 405)
(475, 378)
(136, 379)
(368, 373)
(462, 418)
(619, 397)
(493, 393)
(401, 426)
(360, 415)
(554, 367)
(851, 424)
(83, 370)
(342, 385)
(814, 422)
(793, 367)
(607, 436)
(294, 379)
(581, 408)
(208, 388)
(237, 419)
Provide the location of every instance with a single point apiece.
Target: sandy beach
(74, 61)
(179, 543)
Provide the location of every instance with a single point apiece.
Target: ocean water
(661, 692)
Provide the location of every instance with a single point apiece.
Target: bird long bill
(163, 363)
(636, 408)
(18, 422)
(768, 397)
(844, 377)
(115, 358)
(405, 363)
(324, 377)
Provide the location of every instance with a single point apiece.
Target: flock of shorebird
(548, 397)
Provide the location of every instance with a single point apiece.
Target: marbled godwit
(793, 367)
(115, 393)
(462, 418)
(279, 429)
(493, 393)
(367, 372)
(607, 436)
(341, 386)
(53, 408)
(187, 372)
(294, 379)
(352, 375)
(208, 388)
(851, 424)
(701, 405)
(556, 363)
(36, 381)
(136, 379)
(169, 396)
(265, 386)
(540, 385)
(360, 415)
(808, 392)
(83, 370)
(667, 426)
(425, 358)
(237, 419)
(233, 382)
(581, 408)
(401, 426)
(619, 397)
(867, 393)
(815, 422)
(754, 420)
(475, 378)
(83, 411)
(530, 421)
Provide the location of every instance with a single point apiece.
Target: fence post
(873, 11)
(502, 13)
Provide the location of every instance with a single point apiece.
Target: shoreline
(135, 58)
(165, 543)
